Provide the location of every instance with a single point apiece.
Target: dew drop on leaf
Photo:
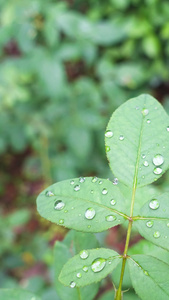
(108, 134)
(154, 204)
(90, 213)
(104, 191)
(94, 179)
(49, 194)
(100, 181)
(145, 163)
(157, 171)
(81, 179)
(78, 275)
(156, 234)
(72, 284)
(91, 191)
(112, 202)
(158, 160)
(107, 148)
(110, 218)
(168, 128)
(84, 254)
(115, 181)
(72, 182)
(85, 269)
(143, 155)
(61, 221)
(145, 111)
(149, 224)
(168, 224)
(59, 205)
(148, 121)
(98, 264)
(77, 188)
(121, 137)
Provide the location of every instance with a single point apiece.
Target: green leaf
(149, 276)
(85, 204)
(153, 221)
(139, 132)
(72, 244)
(17, 294)
(94, 266)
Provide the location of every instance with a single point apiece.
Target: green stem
(45, 162)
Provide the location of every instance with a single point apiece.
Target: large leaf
(137, 141)
(17, 294)
(153, 221)
(85, 204)
(72, 244)
(89, 266)
(150, 277)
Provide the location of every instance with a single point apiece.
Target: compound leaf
(137, 141)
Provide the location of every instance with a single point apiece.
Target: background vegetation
(65, 67)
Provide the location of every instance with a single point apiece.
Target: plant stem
(46, 167)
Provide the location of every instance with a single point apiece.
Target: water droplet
(94, 179)
(78, 275)
(84, 254)
(168, 224)
(168, 128)
(166, 237)
(72, 284)
(112, 202)
(100, 182)
(115, 181)
(157, 171)
(137, 107)
(149, 224)
(110, 218)
(49, 194)
(104, 191)
(145, 111)
(65, 211)
(158, 160)
(143, 155)
(145, 163)
(85, 269)
(59, 205)
(156, 234)
(98, 264)
(82, 179)
(146, 273)
(91, 191)
(143, 176)
(109, 262)
(148, 121)
(72, 182)
(154, 204)
(77, 188)
(107, 148)
(72, 207)
(108, 134)
(121, 137)
(61, 221)
(90, 213)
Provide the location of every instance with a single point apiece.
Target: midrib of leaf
(99, 204)
(118, 294)
(149, 276)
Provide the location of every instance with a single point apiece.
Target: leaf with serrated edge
(139, 132)
(96, 195)
(153, 224)
(149, 276)
(76, 264)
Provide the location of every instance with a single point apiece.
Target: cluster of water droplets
(96, 266)
(157, 161)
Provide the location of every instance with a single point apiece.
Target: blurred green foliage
(66, 65)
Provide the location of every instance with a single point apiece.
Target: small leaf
(153, 222)
(85, 204)
(140, 132)
(149, 276)
(89, 266)
(72, 244)
(17, 294)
